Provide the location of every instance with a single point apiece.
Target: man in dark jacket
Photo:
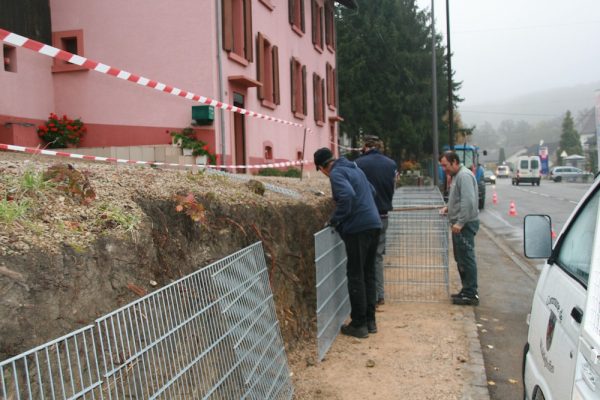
(356, 219)
(381, 172)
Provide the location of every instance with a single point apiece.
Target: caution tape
(32, 150)
(21, 41)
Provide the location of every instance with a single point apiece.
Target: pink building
(270, 56)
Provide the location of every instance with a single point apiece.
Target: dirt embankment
(68, 259)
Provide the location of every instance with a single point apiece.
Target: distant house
(273, 57)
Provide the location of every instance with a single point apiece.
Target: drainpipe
(220, 77)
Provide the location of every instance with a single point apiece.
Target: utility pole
(449, 56)
(436, 151)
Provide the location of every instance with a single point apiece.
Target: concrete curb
(476, 387)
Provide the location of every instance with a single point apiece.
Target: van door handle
(577, 314)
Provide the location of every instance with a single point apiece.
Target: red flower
(51, 124)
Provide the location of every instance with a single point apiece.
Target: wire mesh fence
(416, 252)
(333, 303)
(210, 335)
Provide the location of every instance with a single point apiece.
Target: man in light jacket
(464, 220)
(356, 219)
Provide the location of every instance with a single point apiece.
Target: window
(299, 156)
(318, 99)
(317, 25)
(298, 80)
(329, 26)
(9, 57)
(268, 152)
(331, 87)
(69, 41)
(296, 14)
(237, 30)
(267, 71)
(575, 252)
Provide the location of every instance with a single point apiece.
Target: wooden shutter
(293, 81)
(328, 79)
(248, 53)
(227, 25)
(302, 15)
(304, 99)
(314, 10)
(291, 11)
(334, 87)
(323, 100)
(260, 64)
(315, 91)
(275, 60)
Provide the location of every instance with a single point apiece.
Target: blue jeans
(379, 259)
(463, 244)
(360, 270)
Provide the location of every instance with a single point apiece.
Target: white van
(528, 170)
(561, 359)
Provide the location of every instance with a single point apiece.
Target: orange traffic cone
(494, 198)
(512, 210)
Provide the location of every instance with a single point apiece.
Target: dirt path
(420, 352)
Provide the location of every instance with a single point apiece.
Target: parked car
(569, 174)
(528, 170)
(560, 359)
(502, 171)
(489, 177)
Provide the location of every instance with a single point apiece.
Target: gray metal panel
(333, 303)
(212, 334)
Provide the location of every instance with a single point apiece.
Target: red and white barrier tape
(32, 150)
(21, 41)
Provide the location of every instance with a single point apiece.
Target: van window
(535, 163)
(575, 252)
(524, 164)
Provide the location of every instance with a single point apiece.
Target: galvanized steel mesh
(416, 252)
(333, 302)
(211, 335)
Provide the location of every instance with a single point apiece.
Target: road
(507, 279)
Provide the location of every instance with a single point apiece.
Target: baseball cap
(322, 157)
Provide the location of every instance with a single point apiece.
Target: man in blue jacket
(381, 172)
(356, 219)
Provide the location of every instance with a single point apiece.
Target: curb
(476, 387)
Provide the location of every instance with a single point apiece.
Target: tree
(570, 142)
(501, 156)
(384, 73)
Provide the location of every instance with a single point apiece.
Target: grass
(125, 220)
(32, 183)
(11, 211)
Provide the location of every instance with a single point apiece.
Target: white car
(502, 171)
(569, 174)
(561, 359)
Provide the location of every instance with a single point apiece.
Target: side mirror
(537, 236)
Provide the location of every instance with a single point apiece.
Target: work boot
(456, 295)
(360, 332)
(465, 300)
(372, 326)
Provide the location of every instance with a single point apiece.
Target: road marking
(499, 218)
(544, 195)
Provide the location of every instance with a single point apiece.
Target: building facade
(273, 57)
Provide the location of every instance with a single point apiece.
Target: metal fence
(333, 303)
(210, 335)
(416, 252)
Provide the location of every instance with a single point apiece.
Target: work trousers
(379, 259)
(463, 244)
(361, 248)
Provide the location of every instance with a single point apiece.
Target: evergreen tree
(501, 156)
(384, 74)
(570, 142)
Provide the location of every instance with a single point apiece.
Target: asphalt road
(507, 279)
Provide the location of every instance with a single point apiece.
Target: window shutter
(227, 25)
(328, 79)
(304, 107)
(314, 10)
(334, 87)
(323, 100)
(302, 15)
(293, 81)
(315, 91)
(276, 95)
(291, 11)
(321, 26)
(332, 30)
(248, 30)
(327, 23)
(260, 64)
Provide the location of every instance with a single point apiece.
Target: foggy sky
(506, 48)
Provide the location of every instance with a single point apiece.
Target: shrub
(289, 173)
(61, 132)
(186, 139)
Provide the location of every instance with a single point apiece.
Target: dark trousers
(361, 248)
(463, 244)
